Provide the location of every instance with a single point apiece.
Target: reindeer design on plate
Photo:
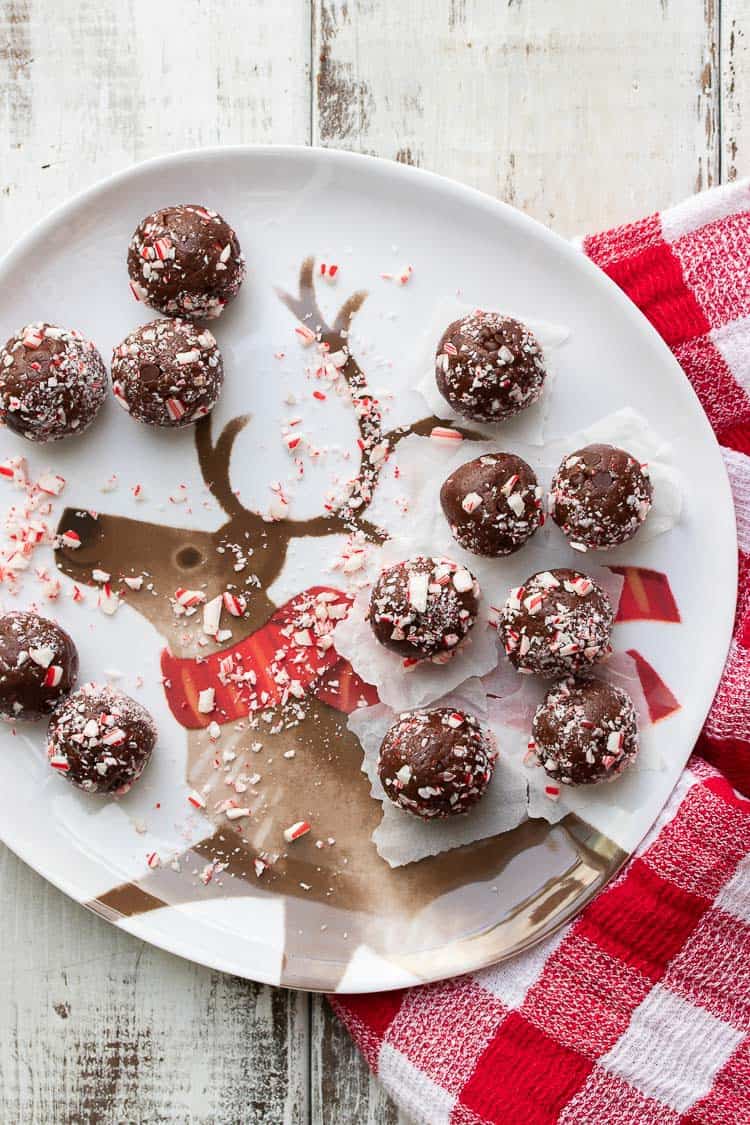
(338, 895)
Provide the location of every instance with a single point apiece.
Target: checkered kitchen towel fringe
(639, 1011)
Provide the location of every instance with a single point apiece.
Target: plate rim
(462, 195)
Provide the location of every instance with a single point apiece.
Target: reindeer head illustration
(309, 768)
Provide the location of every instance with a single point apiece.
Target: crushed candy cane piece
(206, 701)
(212, 616)
(51, 483)
(294, 831)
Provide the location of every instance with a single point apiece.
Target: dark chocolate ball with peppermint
(489, 367)
(101, 740)
(423, 607)
(436, 763)
(493, 504)
(52, 382)
(185, 261)
(168, 373)
(585, 731)
(558, 623)
(38, 665)
(600, 496)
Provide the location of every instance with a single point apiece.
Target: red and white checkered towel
(639, 1011)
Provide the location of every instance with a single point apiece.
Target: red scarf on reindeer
(279, 661)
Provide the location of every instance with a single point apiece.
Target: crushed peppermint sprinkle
(206, 700)
(296, 830)
(445, 434)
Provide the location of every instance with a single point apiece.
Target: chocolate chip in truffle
(167, 373)
(557, 623)
(52, 382)
(585, 731)
(100, 740)
(436, 763)
(493, 504)
(38, 665)
(185, 261)
(600, 496)
(423, 607)
(489, 367)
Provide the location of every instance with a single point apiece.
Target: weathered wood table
(582, 114)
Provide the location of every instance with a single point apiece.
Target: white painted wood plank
(581, 114)
(87, 88)
(343, 1091)
(735, 88)
(95, 1026)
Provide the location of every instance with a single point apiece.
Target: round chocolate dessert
(493, 504)
(52, 382)
(167, 373)
(38, 665)
(599, 497)
(585, 731)
(436, 763)
(185, 261)
(557, 624)
(489, 367)
(101, 740)
(423, 607)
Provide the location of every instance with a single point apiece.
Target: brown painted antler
(214, 461)
(349, 515)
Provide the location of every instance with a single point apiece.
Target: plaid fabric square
(712, 970)
(511, 980)
(424, 1099)
(728, 1101)
(524, 1076)
(468, 1021)
(725, 402)
(607, 1099)
(601, 993)
(713, 262)
(672, 1050)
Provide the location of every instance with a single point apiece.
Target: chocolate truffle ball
(489, 367)
(557, 624)
(423, 607)
(493, 504)
(52, 382)
(167, 373)
(436, 763)
(185, 261)
(38, 665)
(599, 497)
(100, 740)
(585, 731)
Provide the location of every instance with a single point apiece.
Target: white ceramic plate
(358, 927)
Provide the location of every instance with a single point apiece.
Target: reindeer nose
(82, 524)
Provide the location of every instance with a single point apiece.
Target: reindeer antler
(349, 515)
(374, 444)
(214, 461)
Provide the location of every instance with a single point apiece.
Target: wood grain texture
(89, 86)
(580, 114)
(343, 1091)
(95, 1026)
(735, 88)
(583, 114)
